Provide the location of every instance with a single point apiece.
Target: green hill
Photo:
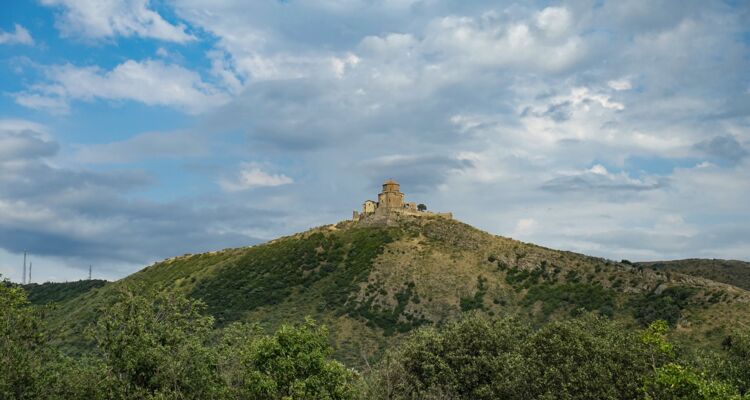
(731, 272)
(371, 283)
(55, 292)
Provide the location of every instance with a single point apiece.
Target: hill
(55, 292)
(372, 282)
(731, 272)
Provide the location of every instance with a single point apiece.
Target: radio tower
(89, 271)
(23, 278)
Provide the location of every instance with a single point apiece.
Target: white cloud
(582, 95)
(521, 120)
(40, 101)
(341, 64)
(554, 21)
(101, 19)
(151, 82)
(148, 145)
(19, 36)
(22, 125)
(392, 44)
(598, 178)
(493, 41)
(525, 227)
(599, 170)
(252, 176)
(18, 145)
(620, 84)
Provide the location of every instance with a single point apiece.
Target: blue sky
(135, 130)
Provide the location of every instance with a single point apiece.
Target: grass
(264, 276)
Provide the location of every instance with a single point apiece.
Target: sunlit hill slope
(371, 283)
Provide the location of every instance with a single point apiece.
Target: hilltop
(371, 282)
(55, 292)
(732, 272)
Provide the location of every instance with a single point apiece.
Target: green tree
(421, 207)
(676, 382)
(76, 378)
(737, 366)
(294, 363)
(671, 380)
(156, 346)
(22, 345)
(585, 358)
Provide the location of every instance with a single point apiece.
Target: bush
(585, 358)
(666, 306)
(574, 296)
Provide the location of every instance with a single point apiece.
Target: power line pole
(23, 278)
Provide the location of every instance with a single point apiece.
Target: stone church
(391, 201)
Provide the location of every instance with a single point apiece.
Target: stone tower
(391, 196)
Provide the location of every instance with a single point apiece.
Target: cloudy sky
(135, 130)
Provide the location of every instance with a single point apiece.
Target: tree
(737, 369)
(156, 346)
(672, 380)
(421, 207)
(584, 358)
(294, 363)
(22, 345)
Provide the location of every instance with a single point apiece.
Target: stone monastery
(391, 202)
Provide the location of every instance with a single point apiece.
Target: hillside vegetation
(731, 272)
(372, 284)
(55, 292)
(162, 346)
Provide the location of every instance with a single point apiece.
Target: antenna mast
(23, 278)
(89, 271)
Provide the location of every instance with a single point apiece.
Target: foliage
(671, 380)
(267, 275)
(674, 381)
(421, 207)
(293, 363)
(736, 366)
(575, 296)
(476, 301)
(731, 272)
(666, 306)
(156, 346)
(355, 277)
(654, 336)
(390, 320)
(369, 289)
(584, 358)
(54, 292)
(22, 345)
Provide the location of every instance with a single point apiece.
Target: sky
(136, 130)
